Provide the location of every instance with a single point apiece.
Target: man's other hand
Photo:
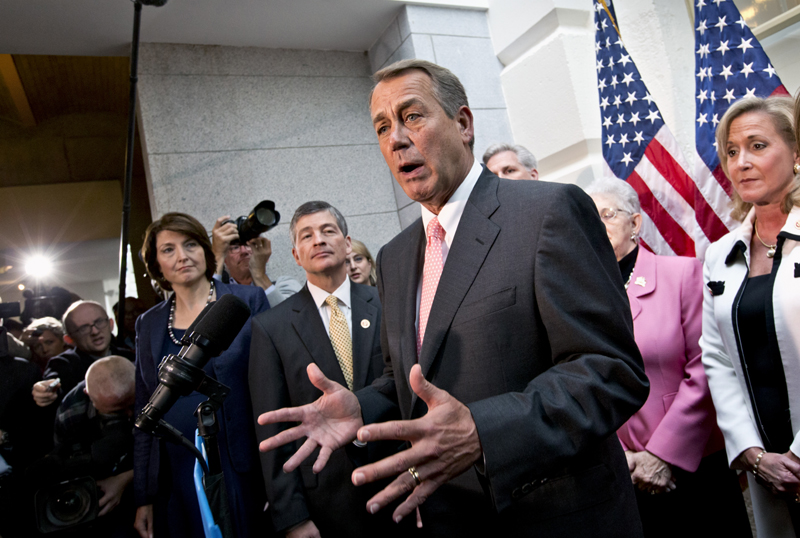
(113, 487)
(306, 529)
(261, 249)
(330, 422)
(144, 521)
(444, 444)
(43, 394)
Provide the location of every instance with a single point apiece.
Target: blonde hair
(360, 248)
(780, 110)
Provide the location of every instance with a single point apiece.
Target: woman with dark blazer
(178, 256)
(673, 446)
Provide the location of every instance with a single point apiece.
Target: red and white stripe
(680, 216)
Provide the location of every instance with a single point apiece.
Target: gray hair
(74, 306)
(309, 208)
(780, 110)
(447, 88)
(624, 195)
(525, 157)
(112, 378)
(48, 324)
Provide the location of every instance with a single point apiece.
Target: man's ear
(68, 340)
(296, 257)
(111, 324)
(349, 244)
(466, 123)
(534, 173)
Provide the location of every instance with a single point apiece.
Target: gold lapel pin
(640, 281)
(365, 323)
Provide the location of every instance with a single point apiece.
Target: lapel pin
(797, 224)
(365, 323)
(640, 281)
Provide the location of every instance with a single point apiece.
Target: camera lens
(265, 216)
(262, 218)
(68, 506)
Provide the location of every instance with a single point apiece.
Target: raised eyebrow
(403, 105)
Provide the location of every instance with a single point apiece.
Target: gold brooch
(365, 323)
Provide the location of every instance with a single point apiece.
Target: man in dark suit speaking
(334, 324)
(507, 339)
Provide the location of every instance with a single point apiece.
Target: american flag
(730, 65)
(639, 148)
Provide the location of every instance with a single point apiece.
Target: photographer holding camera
(246, 262)
(89, 473)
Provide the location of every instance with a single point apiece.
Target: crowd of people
(513, 362)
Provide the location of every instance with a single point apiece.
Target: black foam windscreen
(223, 321)
(156, 3)
(190, 330)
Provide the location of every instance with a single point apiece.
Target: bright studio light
(38, 266)
(21, 287)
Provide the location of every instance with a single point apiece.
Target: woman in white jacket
(751, 309)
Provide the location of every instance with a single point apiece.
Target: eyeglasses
(608, 213)
(98, 324)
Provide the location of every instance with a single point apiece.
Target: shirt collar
(450, 215)
(342, 293)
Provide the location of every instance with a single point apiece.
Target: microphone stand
(126, 200)
(186, 378)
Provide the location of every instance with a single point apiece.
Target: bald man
(96, 416)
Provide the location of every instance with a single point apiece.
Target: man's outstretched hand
(444, 444)
(329, 423)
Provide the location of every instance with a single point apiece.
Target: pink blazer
(677, 422)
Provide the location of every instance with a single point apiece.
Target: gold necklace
(770, 248)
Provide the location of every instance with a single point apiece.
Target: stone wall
(224, 127)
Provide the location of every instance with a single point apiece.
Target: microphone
(178, 375)
(156, 3)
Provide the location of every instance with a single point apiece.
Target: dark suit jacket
(230, 368)
(530, 327)
(286, 339)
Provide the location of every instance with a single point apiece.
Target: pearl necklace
(171, 321)
(770, 248)
(630, 276)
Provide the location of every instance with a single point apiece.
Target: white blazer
(725, 270)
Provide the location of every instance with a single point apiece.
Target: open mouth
(408, 168)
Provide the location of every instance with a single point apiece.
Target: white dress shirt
(449, 217)
(343, 294)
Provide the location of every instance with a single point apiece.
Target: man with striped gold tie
(333, 323)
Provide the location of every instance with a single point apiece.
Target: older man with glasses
(88, 328)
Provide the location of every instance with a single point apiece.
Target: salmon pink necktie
(431, 273)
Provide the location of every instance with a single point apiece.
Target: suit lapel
(475, 236)
(643, 280)
(159, 328)
(362, 310)
(308, 324)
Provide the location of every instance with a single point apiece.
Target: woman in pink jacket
(674, 448)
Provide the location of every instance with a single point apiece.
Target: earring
(797, 168)
(633, 237)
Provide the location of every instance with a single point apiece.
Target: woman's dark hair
(179, 223)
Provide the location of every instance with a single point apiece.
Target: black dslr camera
(263, 217)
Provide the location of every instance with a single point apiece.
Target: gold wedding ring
(415, 474)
